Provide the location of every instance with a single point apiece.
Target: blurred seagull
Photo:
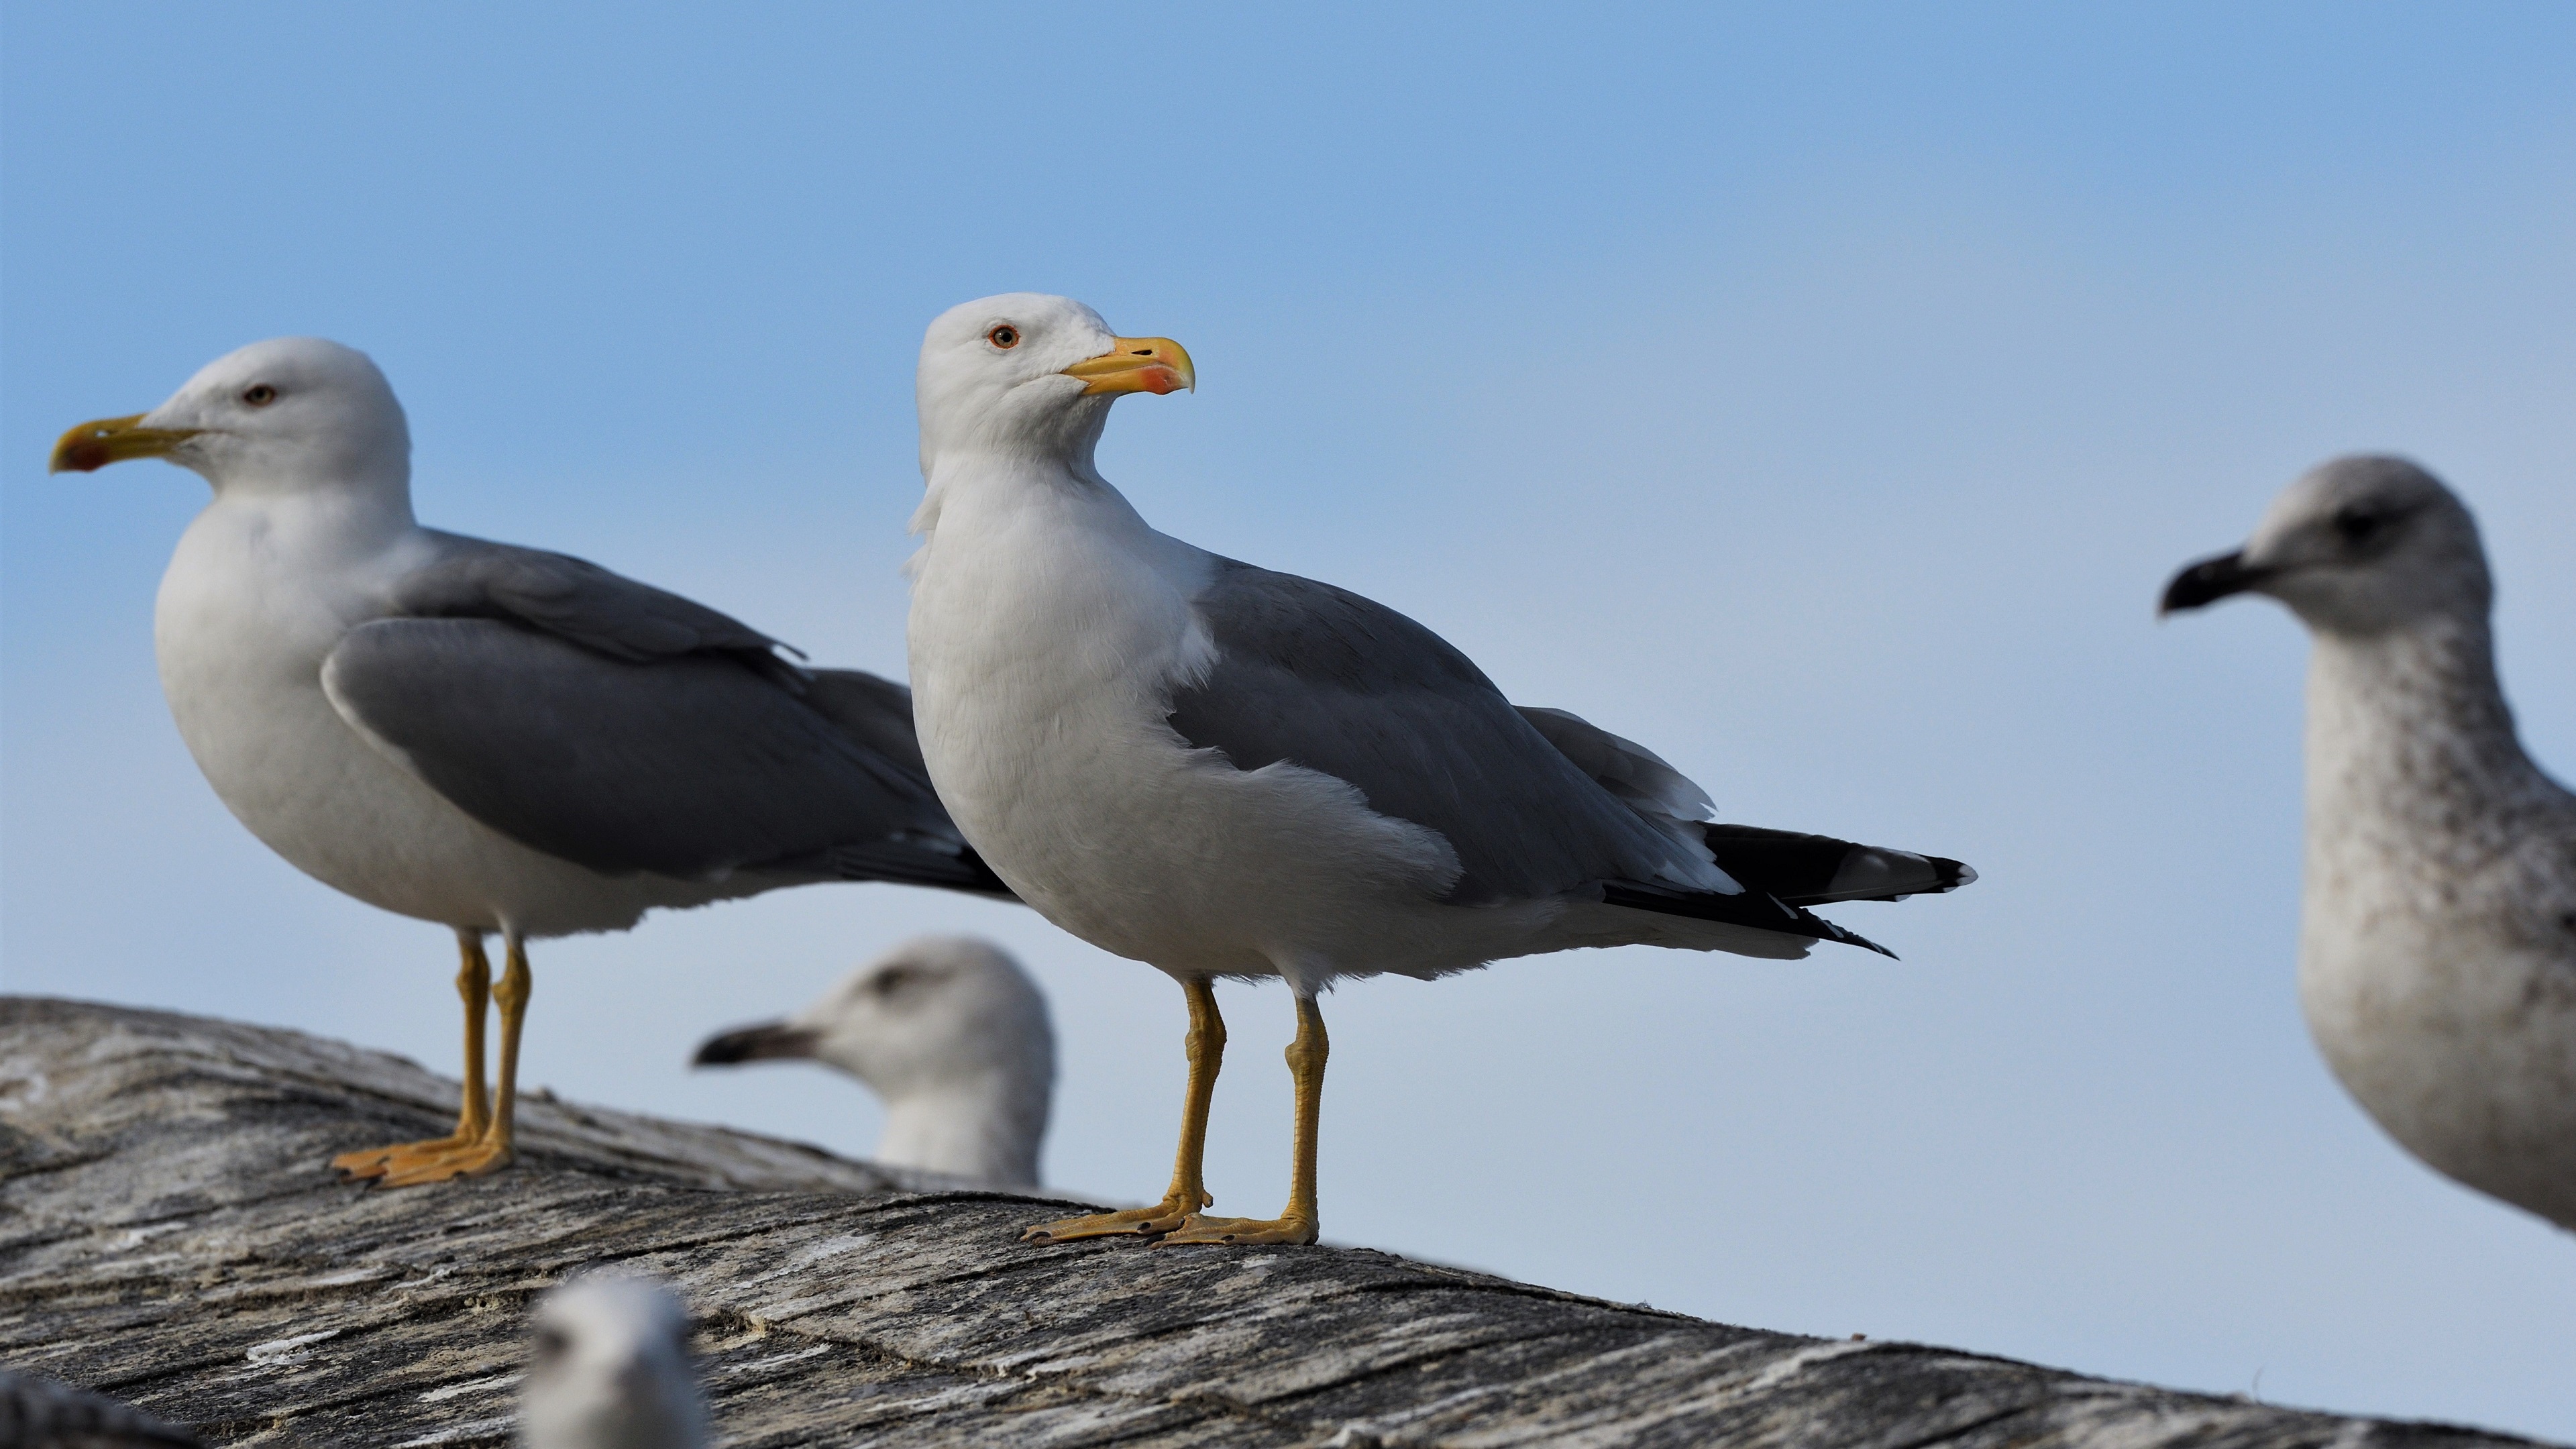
(488, 737)
(38, 1413)
(1224, 771)
(611, 1370)
(2437, 941)
(951, 1034)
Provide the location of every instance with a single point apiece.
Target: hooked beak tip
(94, 445)
(1138, 364)
(2207, 582)
(769, 1041)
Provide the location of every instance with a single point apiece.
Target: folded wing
(1318, 677)
(1800, 869)
(628, 729)
(1322, 678)
(576, 601)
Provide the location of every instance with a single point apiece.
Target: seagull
(610, 1370)
(1227, 772)
(952, 1034)
(37, 1413)
(2437, 940)
(488, 737)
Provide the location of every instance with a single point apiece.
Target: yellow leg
(489, 1149)
(473, 1115)
(474, 983)
(1297, 1224)
(512, 993)
(1188, 1192)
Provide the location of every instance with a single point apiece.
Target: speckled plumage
(2437, 962)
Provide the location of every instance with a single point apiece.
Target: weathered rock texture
(169, 1235)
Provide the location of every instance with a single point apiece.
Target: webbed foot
(1295, 1228)
(1143, 1222)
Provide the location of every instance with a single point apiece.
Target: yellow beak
(93, 446)
(1138, 364)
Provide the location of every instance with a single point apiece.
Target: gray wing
(1797, 868)
(876, 713)
(1625, 768)
(1322, 678)
(574, 600)
(693, 765)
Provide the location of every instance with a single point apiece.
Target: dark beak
(2209, 581)
(769, 1041)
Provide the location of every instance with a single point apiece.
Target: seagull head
(932, 1013)
(292, 414)
(610, 1370)
(2360, 545)
(1032, 376)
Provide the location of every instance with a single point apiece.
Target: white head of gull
(2437, 941)
(488, 737)
(610, 1370)
(1224, 771)
(951, 1034)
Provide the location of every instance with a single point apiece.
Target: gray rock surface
(169, 1235)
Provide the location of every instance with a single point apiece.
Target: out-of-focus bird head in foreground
(38, 1413)
(2357, 546)
(285, 415)
(610, 1370)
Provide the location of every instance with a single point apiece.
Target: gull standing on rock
(952, 1035)
(2437, 939)
(1224, 771)
(489, 737)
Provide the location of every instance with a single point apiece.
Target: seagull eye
(551, 1345)
(2356, 524)
(1005, 336)
(259, 395)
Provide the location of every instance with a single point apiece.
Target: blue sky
(1819, 394)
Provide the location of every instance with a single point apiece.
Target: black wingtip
(1751, 908)
(985, 880)
(1815, 870)
(903, 861)
(1848, 938)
